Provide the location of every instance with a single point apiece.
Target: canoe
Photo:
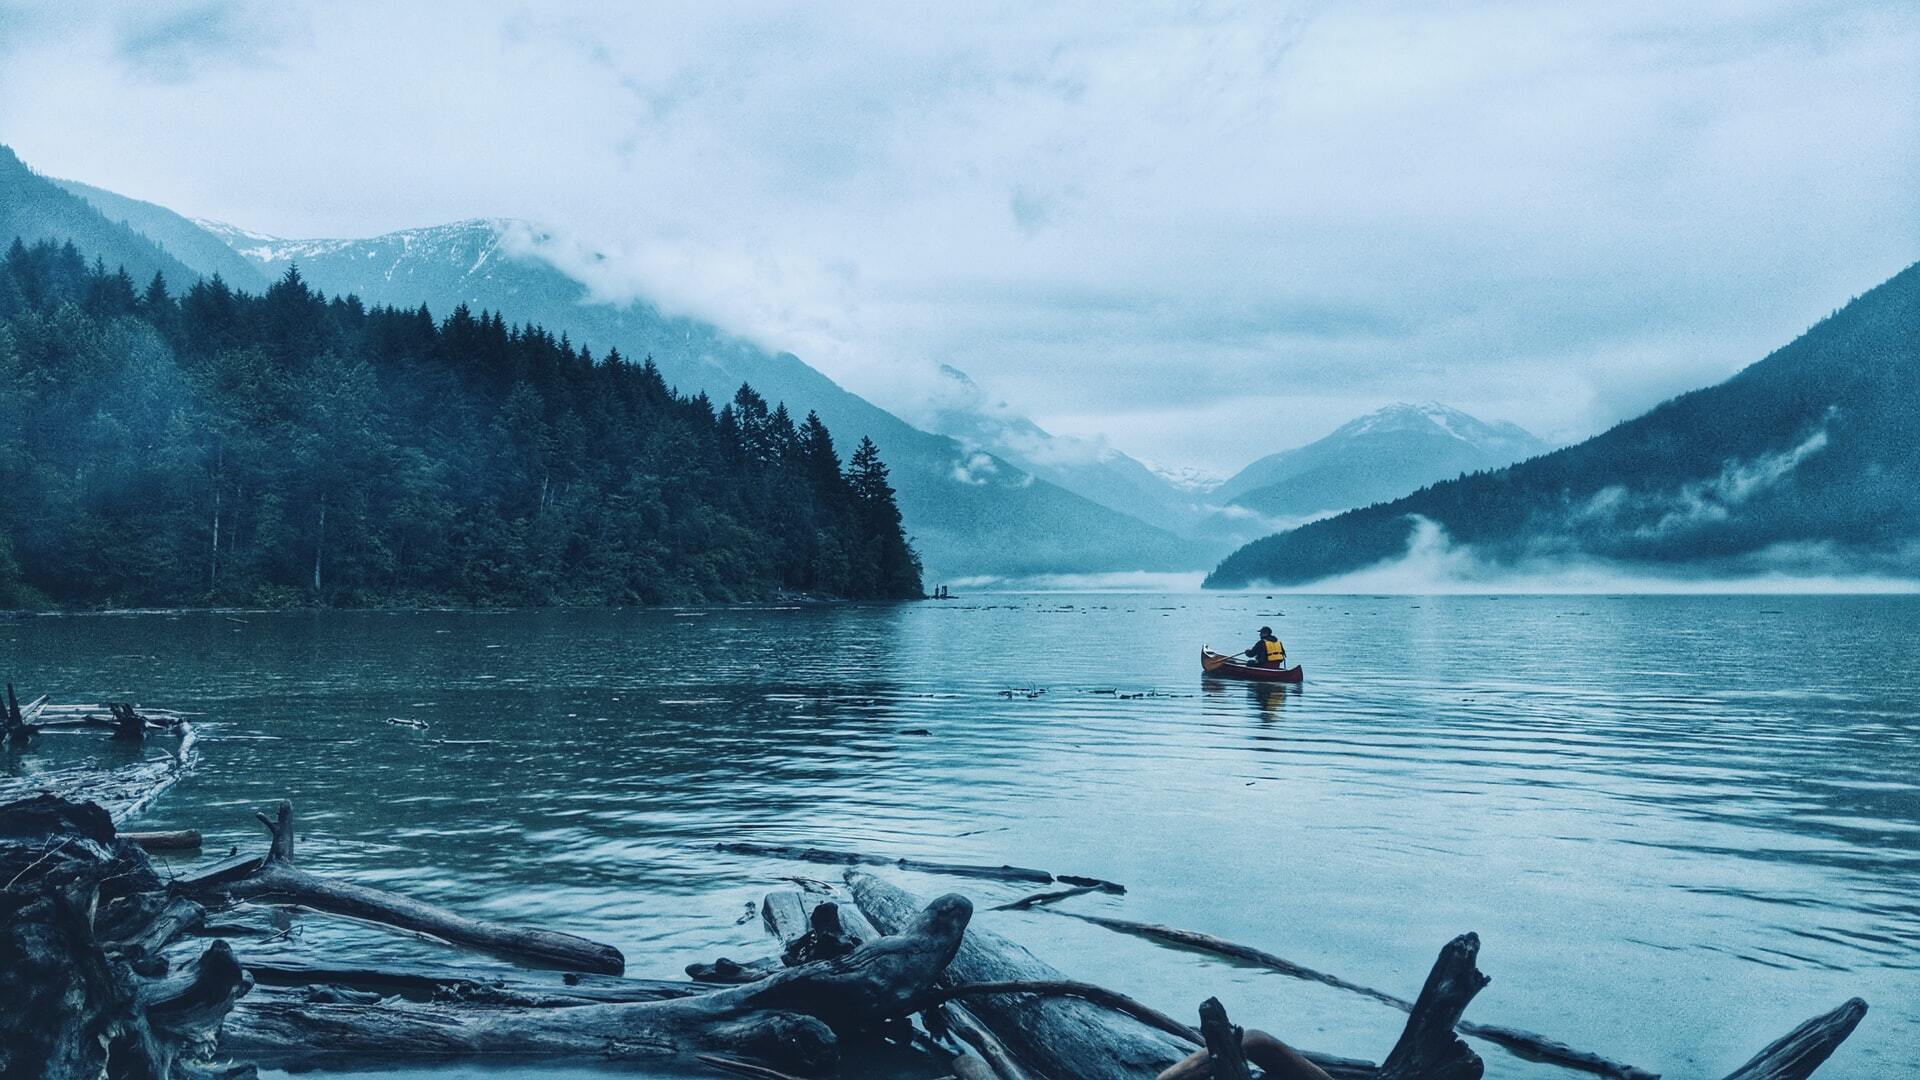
(1226, 667)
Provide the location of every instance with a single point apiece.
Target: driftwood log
(790, 1020)
(1063, 1037)
(83, 917)
(23, 722)
(1223, 1037)
(1804, 1049)
(1525, 1044)
(122, 792)
(448, 983)
(994, 1061)
(1060, 1037)
(804, 853)
(275, 877)
(166, 839)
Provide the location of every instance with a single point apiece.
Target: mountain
(1804, 462)
(179, 237)
(1193, 479)
(34, 208)
(1382, 455)
(961, 410)
(970, 512)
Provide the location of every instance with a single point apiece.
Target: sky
(1197, 232)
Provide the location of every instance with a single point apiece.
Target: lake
(1681, 825)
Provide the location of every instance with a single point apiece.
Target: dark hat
(1266, 629)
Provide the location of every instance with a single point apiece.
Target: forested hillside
(1806, 461)
(34, 209)
(284, 448)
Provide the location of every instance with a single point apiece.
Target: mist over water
(1680, 824)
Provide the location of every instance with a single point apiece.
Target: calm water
(1680, 825)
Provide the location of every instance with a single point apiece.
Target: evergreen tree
(881, 539)
(286, 448)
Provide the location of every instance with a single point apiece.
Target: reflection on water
(1680, 824)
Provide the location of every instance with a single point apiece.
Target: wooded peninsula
(285, 449)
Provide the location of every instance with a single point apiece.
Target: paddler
(1268, 652)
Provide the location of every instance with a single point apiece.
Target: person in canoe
(1268, 652)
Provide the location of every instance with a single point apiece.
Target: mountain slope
(1802, 462)
(969, 512)
(1379, 456)
(202, 252)
(34, 208)
(961, 410)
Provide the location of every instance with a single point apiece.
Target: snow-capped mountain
(1192, 479)
(1382, 455)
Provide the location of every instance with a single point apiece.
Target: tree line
(218, 447)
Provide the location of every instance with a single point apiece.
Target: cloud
(976, 469)
(1434, 564)
(1270, 217)
(1656, 514)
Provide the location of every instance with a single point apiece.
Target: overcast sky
(1201, 232)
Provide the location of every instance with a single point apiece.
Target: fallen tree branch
(1796, 1054)
(853, 858)
(1038, 899)
(277, 878)
(1525, 1044)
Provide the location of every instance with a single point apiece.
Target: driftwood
(275, 877)
(793, 917)
(1056, 1036)
(1427, 1048)
(1066, 1038)
(1033, 900)
(22, 723)
(1098, 995)
(1804, 1049)
(790, 1020)
(122, 792)
(808, 930)
(1526, 1044)
(421, 982)
(83, 916)
(951, 1018)
(1224, 1051)
(166, 840)
(800, 853)
(1277, 1060)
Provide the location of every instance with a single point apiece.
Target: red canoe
(1226, 667)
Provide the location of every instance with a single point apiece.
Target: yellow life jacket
(1276, 652)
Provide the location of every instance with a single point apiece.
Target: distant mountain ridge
(34, 208)
(179, 236)
(970, 512)
(1385, 454)
(1804, 462)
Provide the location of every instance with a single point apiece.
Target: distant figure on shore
(1268, 652)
